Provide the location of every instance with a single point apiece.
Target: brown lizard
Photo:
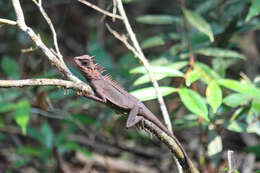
(109, 92)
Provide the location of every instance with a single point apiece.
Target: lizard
(109, 92)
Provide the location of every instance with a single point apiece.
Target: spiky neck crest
(88, 67)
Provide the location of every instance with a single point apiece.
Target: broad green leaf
(214, 95)
(158, 73)
(256, 104)
(170, 68)
(222, 53)
(22, 114)
(158, 19)
(192, 77)
(237, 126)
(237, 86)
(199, 23)
(254, 10)
(150, 94)
(178, 65)
(146, 78)
(153, 42)
(236, 99)
(194, 102)
(10, 67)
(206, 73)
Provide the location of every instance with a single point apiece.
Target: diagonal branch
(48, 20)
(101, 10)
(37, 40)
(146, 65)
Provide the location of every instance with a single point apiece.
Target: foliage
(213, 96)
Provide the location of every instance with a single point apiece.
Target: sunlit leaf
(236, 99)
(206, 73)
(158, 19)
(215, 145)
(199, 23)
(237, 126)
(170, 69)
(149, 93)
(22, 114)
(158, 73)
(214, 95)
(222, 53)
(153, 42)
(237, 86)
(192, 77)
(194, 102)
(254, 10)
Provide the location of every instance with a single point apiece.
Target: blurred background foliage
(214, 104)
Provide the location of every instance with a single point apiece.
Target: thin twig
(146, 64)
(48, 20)
(114, 10)
(37, 40)
(123, 39)
(7, 21)
(100, 10)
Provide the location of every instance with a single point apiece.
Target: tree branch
(101, 10)
(146, 65)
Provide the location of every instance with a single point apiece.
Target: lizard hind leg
(133, 119)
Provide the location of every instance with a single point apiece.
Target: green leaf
(198, 22)
(158, 19)
(194, 102)
(48, 135)
(206, 73)
(149, 93)
(10, 67)
(254, 10)
(256, 104)
(214, 95)
(171, 69)
(236, 99)
(22, 114)
(222, 53)
(237, 86)
(158, 73)
(153, 42)
(237, 126)
(6, 107)
(192, 77)
(175, 49)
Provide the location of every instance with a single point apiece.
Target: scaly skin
(110, 92)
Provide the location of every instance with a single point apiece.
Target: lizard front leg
(133, 119)
(99, 92)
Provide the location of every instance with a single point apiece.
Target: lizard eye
(85, 63)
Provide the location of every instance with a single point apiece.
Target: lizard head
(86, 64)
